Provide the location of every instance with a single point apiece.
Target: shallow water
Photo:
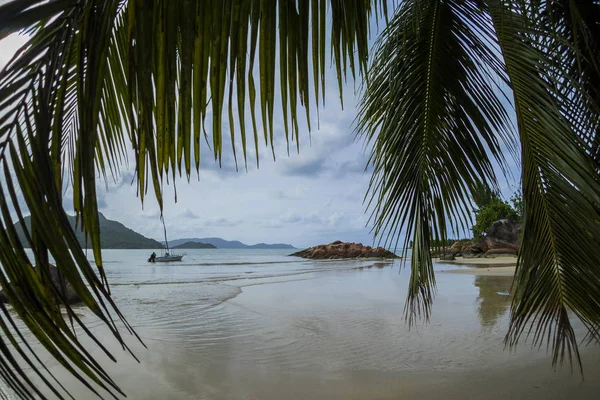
(256, 324)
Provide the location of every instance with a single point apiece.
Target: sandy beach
(484, 271)
(498, 266)
(309, 330)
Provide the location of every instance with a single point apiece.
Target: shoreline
(492, 271)
(337, 335)
(501, 261)
(498, 266)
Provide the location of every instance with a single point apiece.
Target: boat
(165, 254)
(168, 257)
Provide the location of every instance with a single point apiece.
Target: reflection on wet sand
(339, 334)
(494, 299)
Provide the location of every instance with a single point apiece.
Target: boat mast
(165, 230)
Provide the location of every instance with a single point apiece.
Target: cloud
(154, 215)
(304, 199)
(291, 218)
(319, 157)
(221, 222)
(335, 218)
(310, 168)
(270, 224)
(312, 219)
(358, 166)
(10, 45)
(101, 199)
(188, 214)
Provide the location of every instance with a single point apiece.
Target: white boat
(169, 258)
(165, 254)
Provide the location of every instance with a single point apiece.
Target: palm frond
(558, 270)
(573, 43)
(98, 76)
(432, 110)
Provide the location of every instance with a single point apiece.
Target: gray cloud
(304, 199)
(221, 222)
(357, 166)
(152, 215)
(313, 219)
(188, 214)
(310, 168)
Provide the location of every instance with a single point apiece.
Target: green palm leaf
(435, 120)
(98, 76)
(435, 64)
(557, 271)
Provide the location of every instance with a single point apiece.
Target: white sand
(484, 262)
(491, 271)
(498, 266)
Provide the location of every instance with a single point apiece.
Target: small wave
(216, 264)
(148, 301)
(222, 279)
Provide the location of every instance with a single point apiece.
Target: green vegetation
(495, 210)
(482, 195)
(97, 78)
(517, 204)
(491, 208)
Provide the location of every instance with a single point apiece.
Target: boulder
(502, 238)
(504, 230)
(58, 282)
(473, 255)
(447, 257)
(456, 247)
(342, 250)
(476, 248)
(501, 251)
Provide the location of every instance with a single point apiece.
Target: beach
(498, 266)
(297, 329)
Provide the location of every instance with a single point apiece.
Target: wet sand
(331, 335)
(497, 266)
(480, 262)
(484, 271)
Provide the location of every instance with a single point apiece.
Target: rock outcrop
(64, 287)
(505, 230)
(341, 250)
(502, 238)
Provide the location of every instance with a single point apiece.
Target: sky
(302, 199)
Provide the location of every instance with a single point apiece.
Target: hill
(113, 235)
(230, 244)
(194, 245)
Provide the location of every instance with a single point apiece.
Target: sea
(260, 324)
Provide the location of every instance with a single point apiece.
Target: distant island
(229, 244)
(194, 245)
(113, 235)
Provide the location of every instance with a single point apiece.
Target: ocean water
(258, 324)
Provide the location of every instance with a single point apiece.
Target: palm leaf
(431, 110)
(556, 273)
(98, 76)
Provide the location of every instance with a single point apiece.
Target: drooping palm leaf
(431, 108)
(559, 268)
(97, 75)
(574, 44)
(546, 53)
